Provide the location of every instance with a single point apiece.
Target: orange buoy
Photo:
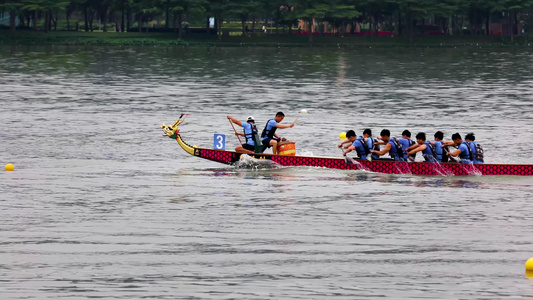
(287, 148)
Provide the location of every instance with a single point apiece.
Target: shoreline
(64, 38)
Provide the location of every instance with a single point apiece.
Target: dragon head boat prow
(173, 131)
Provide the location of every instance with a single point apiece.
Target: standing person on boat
(269, 137)
(406, 142)
(475, 148)
(392, 146)
(250, 133)
(463, 151)
(427, 149)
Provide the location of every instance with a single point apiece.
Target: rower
(250, 133)
(269, 137)
(475, 148)
(406, 142)
(463, 151)
(347, 141)
(369, 143)
(423, 146)
(351, 137)
(393, 146)
(363, 144)
(440, 150)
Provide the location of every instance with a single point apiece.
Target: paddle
(347, 160)
(295, 120)
(235, 131)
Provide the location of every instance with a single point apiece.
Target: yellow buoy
(342, 136)
(10, 167)
(303, 111)
(529, 265)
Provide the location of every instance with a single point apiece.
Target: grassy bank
(268, 40)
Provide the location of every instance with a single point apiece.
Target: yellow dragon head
(173, 131)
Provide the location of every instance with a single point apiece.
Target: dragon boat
(379, 166)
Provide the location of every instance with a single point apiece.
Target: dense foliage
(399, 17)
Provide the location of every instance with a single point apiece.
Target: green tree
(51, 9)
(12, 7)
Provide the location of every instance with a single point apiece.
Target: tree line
(403, 17)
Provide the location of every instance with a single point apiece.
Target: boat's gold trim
(184, 145)
(173, 132)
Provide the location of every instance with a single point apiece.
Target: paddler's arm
(416, 149)
(282, 126)
(447, 143)
(241, 134)
(232, 119)
(382, 152)
(343, 142)
(454, 153)
(350, 149)
(412, 147)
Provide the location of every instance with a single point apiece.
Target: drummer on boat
(250, 133)
(269, 137)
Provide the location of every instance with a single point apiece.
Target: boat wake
(248, 162)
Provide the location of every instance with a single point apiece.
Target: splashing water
(305, 152)
(440, 170)
(360, 166)
(470, 169)
(248, 162)
(403, 168)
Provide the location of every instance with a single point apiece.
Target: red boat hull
(380, 166)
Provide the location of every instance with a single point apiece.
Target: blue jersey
(406, 143)
(438, 150)
(428, 153)
(465, 153)
(473, 149)
(268, 128)
(393, 152)
(248, 133)
(363, 150)
(358, 144)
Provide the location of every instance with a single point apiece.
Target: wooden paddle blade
(348, 160)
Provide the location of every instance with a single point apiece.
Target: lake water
(102, 206)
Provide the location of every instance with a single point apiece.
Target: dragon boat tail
(379, 166)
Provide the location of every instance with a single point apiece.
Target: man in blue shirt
(362, 144)
(351, 138)
(269, 137)
(475, 148)
(422, 146)
(249, 131)
(392, 146)
(463, 151)
(406, 142)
